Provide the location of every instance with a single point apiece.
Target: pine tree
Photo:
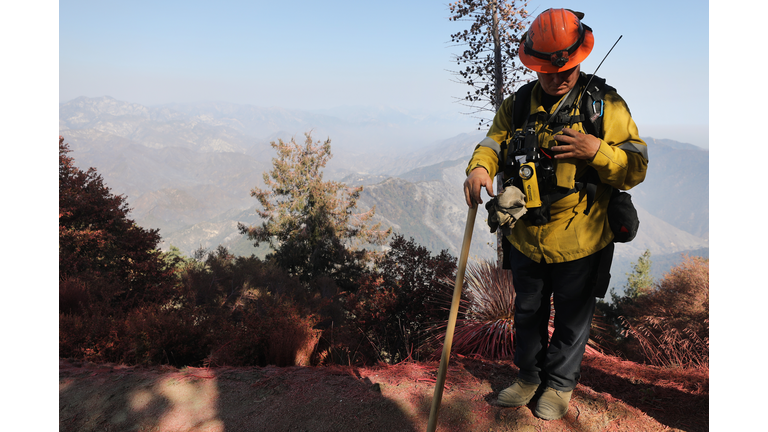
(309, 223)
(489, 61)
(640, 281)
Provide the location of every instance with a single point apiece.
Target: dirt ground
(613, 395)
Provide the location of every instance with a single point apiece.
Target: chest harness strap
(524, 145)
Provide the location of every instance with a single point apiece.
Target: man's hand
(576, 145)
(473, 185)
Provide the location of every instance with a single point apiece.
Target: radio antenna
(578, 100)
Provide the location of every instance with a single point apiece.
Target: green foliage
(640, 281)
(397, 303)
(174, 258)
(310, 223)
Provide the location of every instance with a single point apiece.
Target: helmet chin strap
(557, 108)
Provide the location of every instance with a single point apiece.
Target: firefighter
(556, 248)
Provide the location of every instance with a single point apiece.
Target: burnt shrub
(155, 334)
(669, 326)
(265, 329)
(258, 314)
(147, 334)
(224, 310)
(398, 301)
(97, 238)
(73, 295)
(90, 337)
(89, 322)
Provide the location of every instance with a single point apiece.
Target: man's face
(558, 84)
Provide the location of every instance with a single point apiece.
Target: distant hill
(188, 169)
(432, 212)
(151, 127)
(676, 188)
(428, 204)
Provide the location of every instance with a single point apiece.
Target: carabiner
(596, 115)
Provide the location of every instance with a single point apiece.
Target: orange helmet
(556, 41)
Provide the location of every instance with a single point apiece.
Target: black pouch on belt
(622, 217)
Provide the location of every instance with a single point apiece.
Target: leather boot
(553, 404)
(518, 394)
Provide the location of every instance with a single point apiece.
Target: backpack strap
(520, 110)
(593, 105)
(592, 109)
(522, 104)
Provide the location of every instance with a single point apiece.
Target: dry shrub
(237, 343)
(345, 345)
(149, 334)
(670, 325)
(258, 314)
(661, 344)
(73, 295)
(89, 292)
(159, 335)
(292, 338)
(486, 313)
(273, 330)
(362, 338)
(86, 336)
(239, 311)
(88, 319)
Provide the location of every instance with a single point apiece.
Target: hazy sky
(314, 55)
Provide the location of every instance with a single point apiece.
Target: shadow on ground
(675, 398)
(111, 398)
(613, 396)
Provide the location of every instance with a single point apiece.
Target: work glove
(505, 209)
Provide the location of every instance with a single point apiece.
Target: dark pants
(555, 361)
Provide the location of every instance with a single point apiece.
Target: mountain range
(188, 169)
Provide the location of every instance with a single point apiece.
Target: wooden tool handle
(438, 396)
